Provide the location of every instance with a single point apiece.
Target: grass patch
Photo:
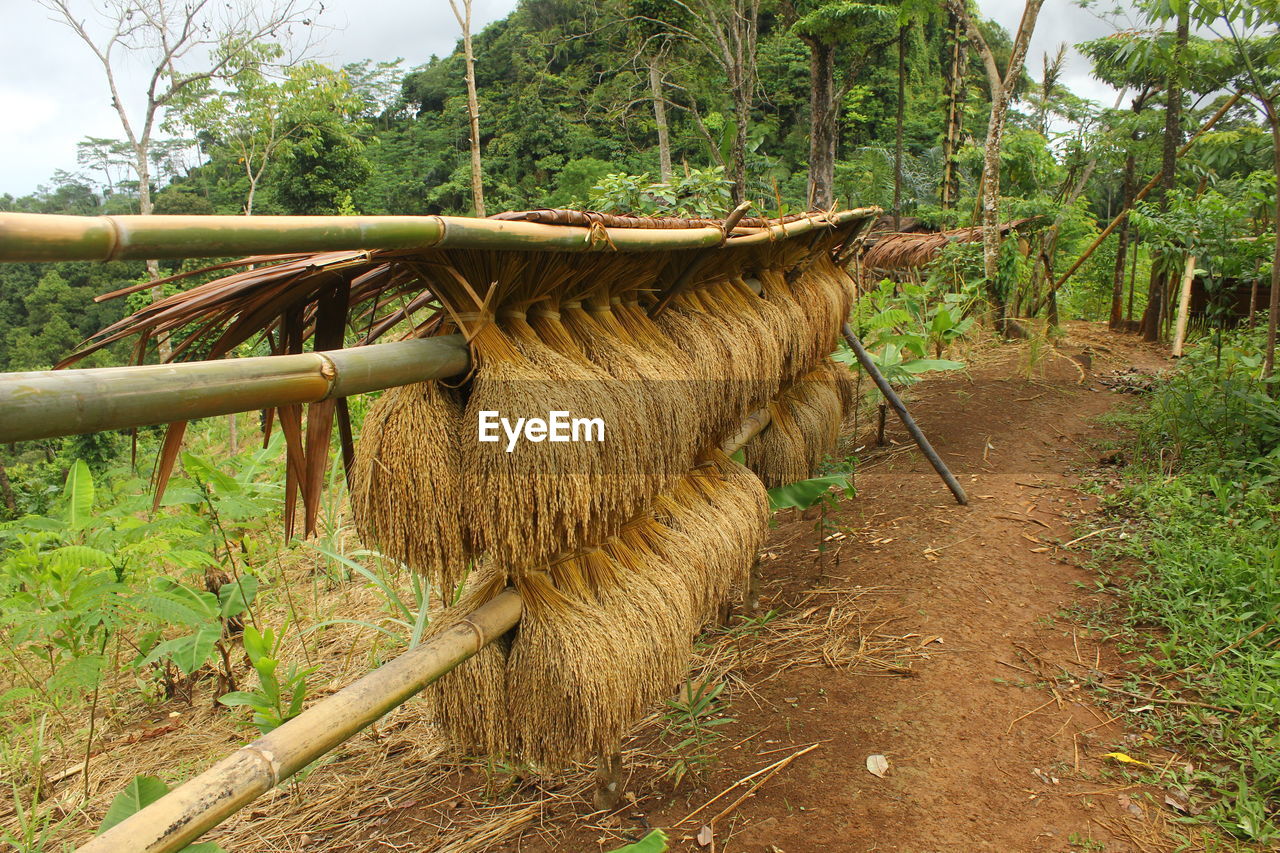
(1203, 486)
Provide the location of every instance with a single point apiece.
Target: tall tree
(182, 45)
(825, 26)
(1001, 86)
(463, 15)
(728, 30)
(648, 22)
(1251, 29)
(957, 57)
(257, 116)
(1161, 273)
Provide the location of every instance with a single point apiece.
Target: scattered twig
(750, 791)
(1182, 702)
(1028, 714)
(1091, 535)
(1024, 518)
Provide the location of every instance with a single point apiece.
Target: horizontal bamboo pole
(808, 225)
(44, 404)
(51, 237)
(56, 237)
(194, 808)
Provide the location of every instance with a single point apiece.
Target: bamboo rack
(46, 404)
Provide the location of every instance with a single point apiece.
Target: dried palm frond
(894, 251)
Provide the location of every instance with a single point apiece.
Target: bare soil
(988, 746)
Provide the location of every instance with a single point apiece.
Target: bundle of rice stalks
(406, 494)
(804, 427)
(825, 292)
(607, 632)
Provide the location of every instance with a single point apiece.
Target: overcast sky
(52, 91)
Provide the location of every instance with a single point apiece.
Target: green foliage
(694, 717)
(407, 616)
(898, 322)
(1206, 488)
(279, 697)
(654, 842)
(701, 192)
(804, 494)
(1216, 408)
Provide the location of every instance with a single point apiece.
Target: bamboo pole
(907, 421)
(44, 404)
(186, 813)
(1151, 184)
(1184, 306)
(55, 237)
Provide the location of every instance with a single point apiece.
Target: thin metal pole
(183, 815)
(896, 402)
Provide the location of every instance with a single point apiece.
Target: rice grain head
(406, 489)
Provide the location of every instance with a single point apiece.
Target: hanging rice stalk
(406, 495)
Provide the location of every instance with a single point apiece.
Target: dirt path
(983, 753)
(980, 757)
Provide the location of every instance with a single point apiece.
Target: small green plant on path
(278, 697)
(693, 716)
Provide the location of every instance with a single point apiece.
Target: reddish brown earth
(989, 746)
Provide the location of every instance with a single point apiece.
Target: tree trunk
(473, 107)
(1133, 275)
(1001, 85)
(822, 137)
(6, 491)
(738, 162)
(660, 119)
(950, 187)
(1122, 245)
(991, 211)
(1184, 306)
(1151, 317)
(898, 127)
(1273, 317)
(1155, 314)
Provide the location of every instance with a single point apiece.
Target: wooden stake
(1184, 306)
(608, 780)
